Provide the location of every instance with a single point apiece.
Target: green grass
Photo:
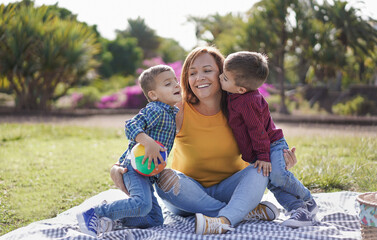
(47, 169)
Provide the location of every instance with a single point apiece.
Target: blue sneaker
(312, 206)
(300, 217)
(91, 224)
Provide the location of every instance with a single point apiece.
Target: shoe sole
(199, 220)
(273, 208)
(297, 224)
(82, 225)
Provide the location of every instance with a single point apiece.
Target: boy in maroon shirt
(260, 142)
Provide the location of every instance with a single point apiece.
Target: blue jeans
(141, 209)
(287, 189)
(232, 198)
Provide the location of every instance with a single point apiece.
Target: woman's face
(204, 77)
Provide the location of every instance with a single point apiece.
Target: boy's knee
(168, 180)
(142, 207)
(278, 178)
(145, 208)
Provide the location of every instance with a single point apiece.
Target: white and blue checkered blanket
(338, 215)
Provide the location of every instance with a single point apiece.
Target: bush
(113, 84)
(358, 106)
(83, 97)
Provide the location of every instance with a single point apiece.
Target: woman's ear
(152, 95)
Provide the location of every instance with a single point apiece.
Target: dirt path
(117, 121)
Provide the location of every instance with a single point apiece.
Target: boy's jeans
(287, 189)
(141, 209)
(232, 198)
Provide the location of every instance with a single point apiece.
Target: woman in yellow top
(208, 177)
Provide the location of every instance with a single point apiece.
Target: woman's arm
(116, 173)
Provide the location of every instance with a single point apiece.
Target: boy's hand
(265, 166)
(152, 152)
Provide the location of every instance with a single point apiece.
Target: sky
(167, 17)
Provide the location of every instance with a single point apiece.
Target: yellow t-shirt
(205, 149)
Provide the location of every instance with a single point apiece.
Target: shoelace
(257, 214)
(296, 214)
(214, 225)
(93, 223)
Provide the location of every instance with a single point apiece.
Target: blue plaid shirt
(157, 120)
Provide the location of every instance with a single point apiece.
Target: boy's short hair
(250, 69)
(147, 78)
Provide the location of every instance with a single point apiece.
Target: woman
(208, 176)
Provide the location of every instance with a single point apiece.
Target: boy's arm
(253, 119)
(146, 119)
(260, 141)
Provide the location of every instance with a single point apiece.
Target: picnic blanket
(338, 215)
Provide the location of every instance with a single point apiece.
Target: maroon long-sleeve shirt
(252, 125)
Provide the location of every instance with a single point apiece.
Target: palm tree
(351, 30)
(39, 52)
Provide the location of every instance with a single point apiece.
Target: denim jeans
(232, 198)
(287, 189)
(141, 209)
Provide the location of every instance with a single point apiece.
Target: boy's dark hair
(147, 78)
(250, 69)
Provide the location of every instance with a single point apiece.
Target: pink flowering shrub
(133, 97)
(264, 89)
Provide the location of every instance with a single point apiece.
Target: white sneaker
(209, 225)
(264, 211)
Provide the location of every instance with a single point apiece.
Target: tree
(170, 50)
(222, 31)
(269, 30)
(126, 55)
(39, 51)
(351, 30)
(146, 37)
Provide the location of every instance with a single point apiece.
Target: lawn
(47, 169)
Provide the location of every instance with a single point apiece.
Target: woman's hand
(116, 173)
(290, 158)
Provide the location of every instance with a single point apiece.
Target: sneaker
(209, 225)
(312, 206)
(91, 224)
(264, 211)
(299, 218)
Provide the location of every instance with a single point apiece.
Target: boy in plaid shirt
(155, 122)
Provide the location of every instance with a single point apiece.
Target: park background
(55, 66)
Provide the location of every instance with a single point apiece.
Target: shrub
(358, 106)
(39, 49)
(83, 97)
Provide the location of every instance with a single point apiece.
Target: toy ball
(137, 155)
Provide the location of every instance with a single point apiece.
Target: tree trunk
(283, 107)
(302, 70)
